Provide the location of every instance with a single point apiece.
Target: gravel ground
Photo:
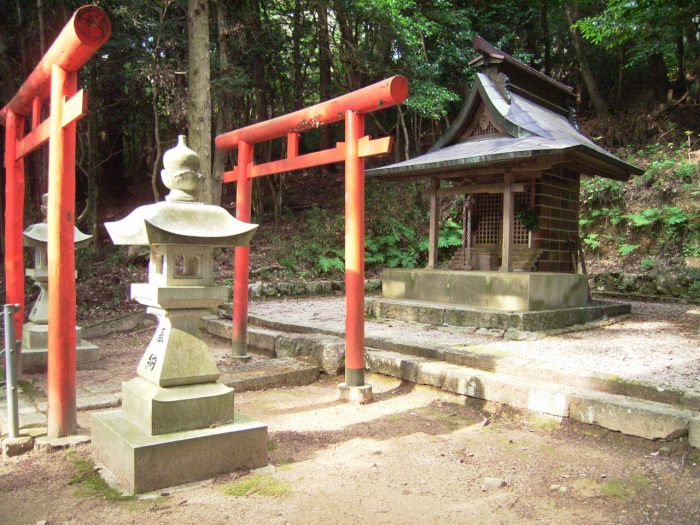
(658, 344)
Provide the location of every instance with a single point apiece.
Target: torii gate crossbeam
(352, 108)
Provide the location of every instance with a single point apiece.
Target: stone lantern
(177, 422)
(35, 332)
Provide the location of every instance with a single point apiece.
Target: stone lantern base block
(143, 463)
(35, 356)
(156, 410)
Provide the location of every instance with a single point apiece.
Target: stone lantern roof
(181, 220)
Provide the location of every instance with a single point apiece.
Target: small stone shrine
(35, 333)
(177, 423)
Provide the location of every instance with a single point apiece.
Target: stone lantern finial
(180, 173)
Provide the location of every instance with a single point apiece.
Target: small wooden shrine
(515, 155)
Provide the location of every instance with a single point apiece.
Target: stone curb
(646, 419)
(260, 328)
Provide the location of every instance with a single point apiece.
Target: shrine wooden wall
(557, 203)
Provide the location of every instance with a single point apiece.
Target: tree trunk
(198, 90)
(324, 67)
(658, 76)
(601, 108)
(224, 101)
(681, 85)
(547, 39)
(297, 80)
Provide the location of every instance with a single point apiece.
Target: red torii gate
(55, 79)
(352, 108)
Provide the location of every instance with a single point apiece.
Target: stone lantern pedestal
(177, 423)
(35, 333)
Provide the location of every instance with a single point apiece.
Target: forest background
(202, 68)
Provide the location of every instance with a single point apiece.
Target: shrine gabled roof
(529, 128)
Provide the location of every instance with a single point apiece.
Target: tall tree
(589, 80)
(198, 89)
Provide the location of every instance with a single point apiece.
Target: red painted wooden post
(61, 261)
(14, 214)
(354, 251)
(239, 335)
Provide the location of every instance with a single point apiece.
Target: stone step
(263, 332)
(646, 419)
(322, 350)
(632, 408)
(269, 373)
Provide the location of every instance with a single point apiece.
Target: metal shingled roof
(536, 131)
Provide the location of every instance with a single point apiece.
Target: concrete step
(646, 419)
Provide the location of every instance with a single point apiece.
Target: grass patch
(394, 418)
(261, 484)
(271, 445)
(90, 483)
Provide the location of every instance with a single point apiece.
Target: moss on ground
(624, 489)
(540, 422)
(29, 390)
(90, 483)
(260, 484)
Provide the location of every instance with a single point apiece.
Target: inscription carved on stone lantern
(174, 413)
(35, 333)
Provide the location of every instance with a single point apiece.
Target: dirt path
(416, 455)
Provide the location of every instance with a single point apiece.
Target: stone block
(49, 444)
(508, 390)
(506, 291)
(175, 357)
(327, 352)
(174, 297)
(155, 410)
(270, 373)
(36, 360)
(262, 339)
(143, 463)
(393, 364)
(17, 446)
(694, 432)
(356, 395)
(645, 419)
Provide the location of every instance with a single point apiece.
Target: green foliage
(644, 218)
(625, 249)
(648, 263)
(591, 240)
(640, 28)
(529, 218)
(664, 222)
(394, 249)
